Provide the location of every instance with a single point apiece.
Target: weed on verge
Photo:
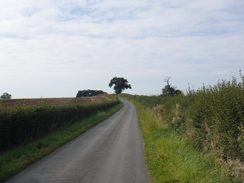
(169, 157)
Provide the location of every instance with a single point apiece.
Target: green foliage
(6, 96)
(219, 110)
(89, 93)
(169, 90)
(211, 118)
(20, 125)
(120, 84)
(170, 158)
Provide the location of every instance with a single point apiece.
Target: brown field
(55, 101)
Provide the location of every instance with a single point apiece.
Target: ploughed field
(55, 101)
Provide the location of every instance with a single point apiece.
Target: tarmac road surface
(111, 152)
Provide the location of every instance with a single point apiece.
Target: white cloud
(72, 44)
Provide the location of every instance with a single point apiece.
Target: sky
(54, 48)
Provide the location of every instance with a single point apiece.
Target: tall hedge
(21, 125)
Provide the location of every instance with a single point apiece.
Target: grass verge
(12, 162)
(170, 159)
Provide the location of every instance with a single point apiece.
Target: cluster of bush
(89, 93)
(6, 96)
(20, 125)
(212, 118)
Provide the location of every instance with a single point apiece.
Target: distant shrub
(6, 96)
(89, 93)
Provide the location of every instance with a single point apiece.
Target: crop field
(54, 101)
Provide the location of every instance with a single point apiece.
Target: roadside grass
(170, 159)
(210, 118)
(16, 160)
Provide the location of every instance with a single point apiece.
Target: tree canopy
(6, 96)
(88, 93)
(169, 90)
(120, 84)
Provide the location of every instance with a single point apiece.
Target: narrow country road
(111, 152)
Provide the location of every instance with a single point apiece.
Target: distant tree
(89, 93)
(120, 84)
(6, 96)
(169, 90)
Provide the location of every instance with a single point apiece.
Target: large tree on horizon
(120, 84)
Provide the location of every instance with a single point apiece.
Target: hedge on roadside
(22, 125)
